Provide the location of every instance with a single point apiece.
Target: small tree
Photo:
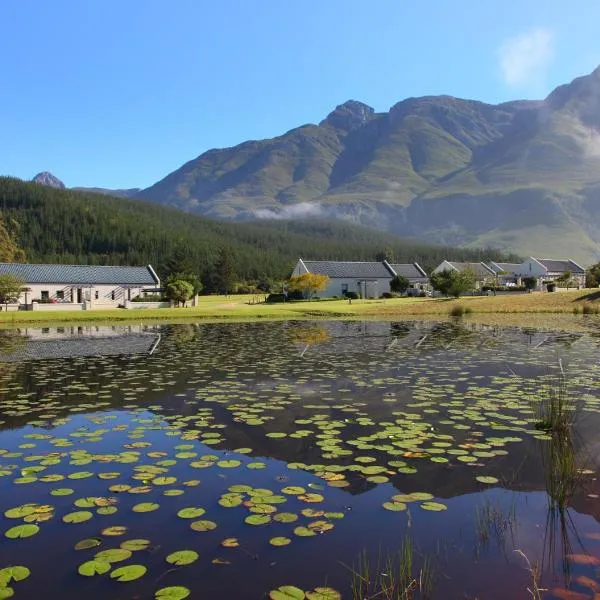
(592, 276)
(442, 281)
(386, 254)
(462, 282)
(179, 291)
(10, 288)
(530, 283)
(308, 283)
(564, 280)
(399, 284)
(453, 283)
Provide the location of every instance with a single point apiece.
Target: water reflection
(76, 341)
(392, 431)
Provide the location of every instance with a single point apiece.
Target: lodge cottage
(369, 279)
(81, 286)
(483, 273)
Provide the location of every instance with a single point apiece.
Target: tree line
(70, 227)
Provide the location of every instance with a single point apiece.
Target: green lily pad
(128, 573)
(280, 541)
(394, 506)
(433, 506)
(88, 543)
(287, 592)
(6, 592)
(79, 516)
(113, 555)
(182, 557)
(486, 479)
(324, 593)
(176, 592)
(135, 545)
(145, 507)
(62, 492)
(285, 517)
(191, 513)
(22, 531)
(203, 525)
(9, 574)
(257, 519)
(93, 567)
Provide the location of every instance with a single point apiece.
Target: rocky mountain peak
(349, 115)
(46, 178)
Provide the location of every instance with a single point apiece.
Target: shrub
(390, 295)
(352, 295)
(149, 298)
(272, 298)
(551, 287)
(459, 311)
(591, 309)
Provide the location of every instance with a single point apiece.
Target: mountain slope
(66, 226)
(521, 175)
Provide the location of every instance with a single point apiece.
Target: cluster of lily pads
(216, 405)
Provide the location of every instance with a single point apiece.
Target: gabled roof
(410, 271)
(339, 269)
(506, 267)
(81, 274)
(560, 266)
(480, 269)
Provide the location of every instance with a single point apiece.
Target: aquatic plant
(460, 311)
(554, 405)
(535, 590)
(492, 522)
(392, 576)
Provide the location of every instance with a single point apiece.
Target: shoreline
(517, 310)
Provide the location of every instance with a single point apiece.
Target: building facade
(81, 286)
(368, 279)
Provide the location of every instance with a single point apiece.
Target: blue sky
(118, 93)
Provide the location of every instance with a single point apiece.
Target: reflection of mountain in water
(74, 342)
(304, 364)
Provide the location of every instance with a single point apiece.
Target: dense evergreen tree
(65, 226)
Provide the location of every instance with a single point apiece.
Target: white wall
(110, 295)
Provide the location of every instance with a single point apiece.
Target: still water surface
(297, 448)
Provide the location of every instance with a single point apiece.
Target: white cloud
(525, 58)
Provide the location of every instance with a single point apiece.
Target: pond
(296, 459)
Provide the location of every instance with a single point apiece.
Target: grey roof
(80, 274)
(480, 269)
(498, 267)
(560, 266)
(338, 269)
(410, 271)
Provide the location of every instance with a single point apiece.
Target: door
(79, 295)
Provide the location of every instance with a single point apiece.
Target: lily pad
(128, 573)
(94, 567)
(176, 592)
(22, 531)
(182, 557)
(287, 592)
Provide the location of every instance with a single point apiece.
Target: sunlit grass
(249, 307)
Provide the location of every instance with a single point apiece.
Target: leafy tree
(10, 288)
(180, 267)
(399, 284)
(464, 281)
(179, 291)
(453, 283)
(565, 280)
(308, 283)
(224, 272)
(530, 283)
(442, 281)
(592, 276)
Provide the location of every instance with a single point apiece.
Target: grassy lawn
(249, 307)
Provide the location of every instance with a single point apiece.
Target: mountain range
(522, 176)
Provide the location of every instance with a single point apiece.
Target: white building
(506, 273)
(547, 270)
(369, 279)
(81, 286)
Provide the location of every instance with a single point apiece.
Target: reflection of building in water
(74, 341)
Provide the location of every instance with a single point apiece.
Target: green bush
(352, 295)
(460, 311)
(272, 298)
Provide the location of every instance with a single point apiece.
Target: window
(60, 295)
(96, 294)
(45, 296)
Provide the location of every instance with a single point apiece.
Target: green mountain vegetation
(523, 175)
(65, 226)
